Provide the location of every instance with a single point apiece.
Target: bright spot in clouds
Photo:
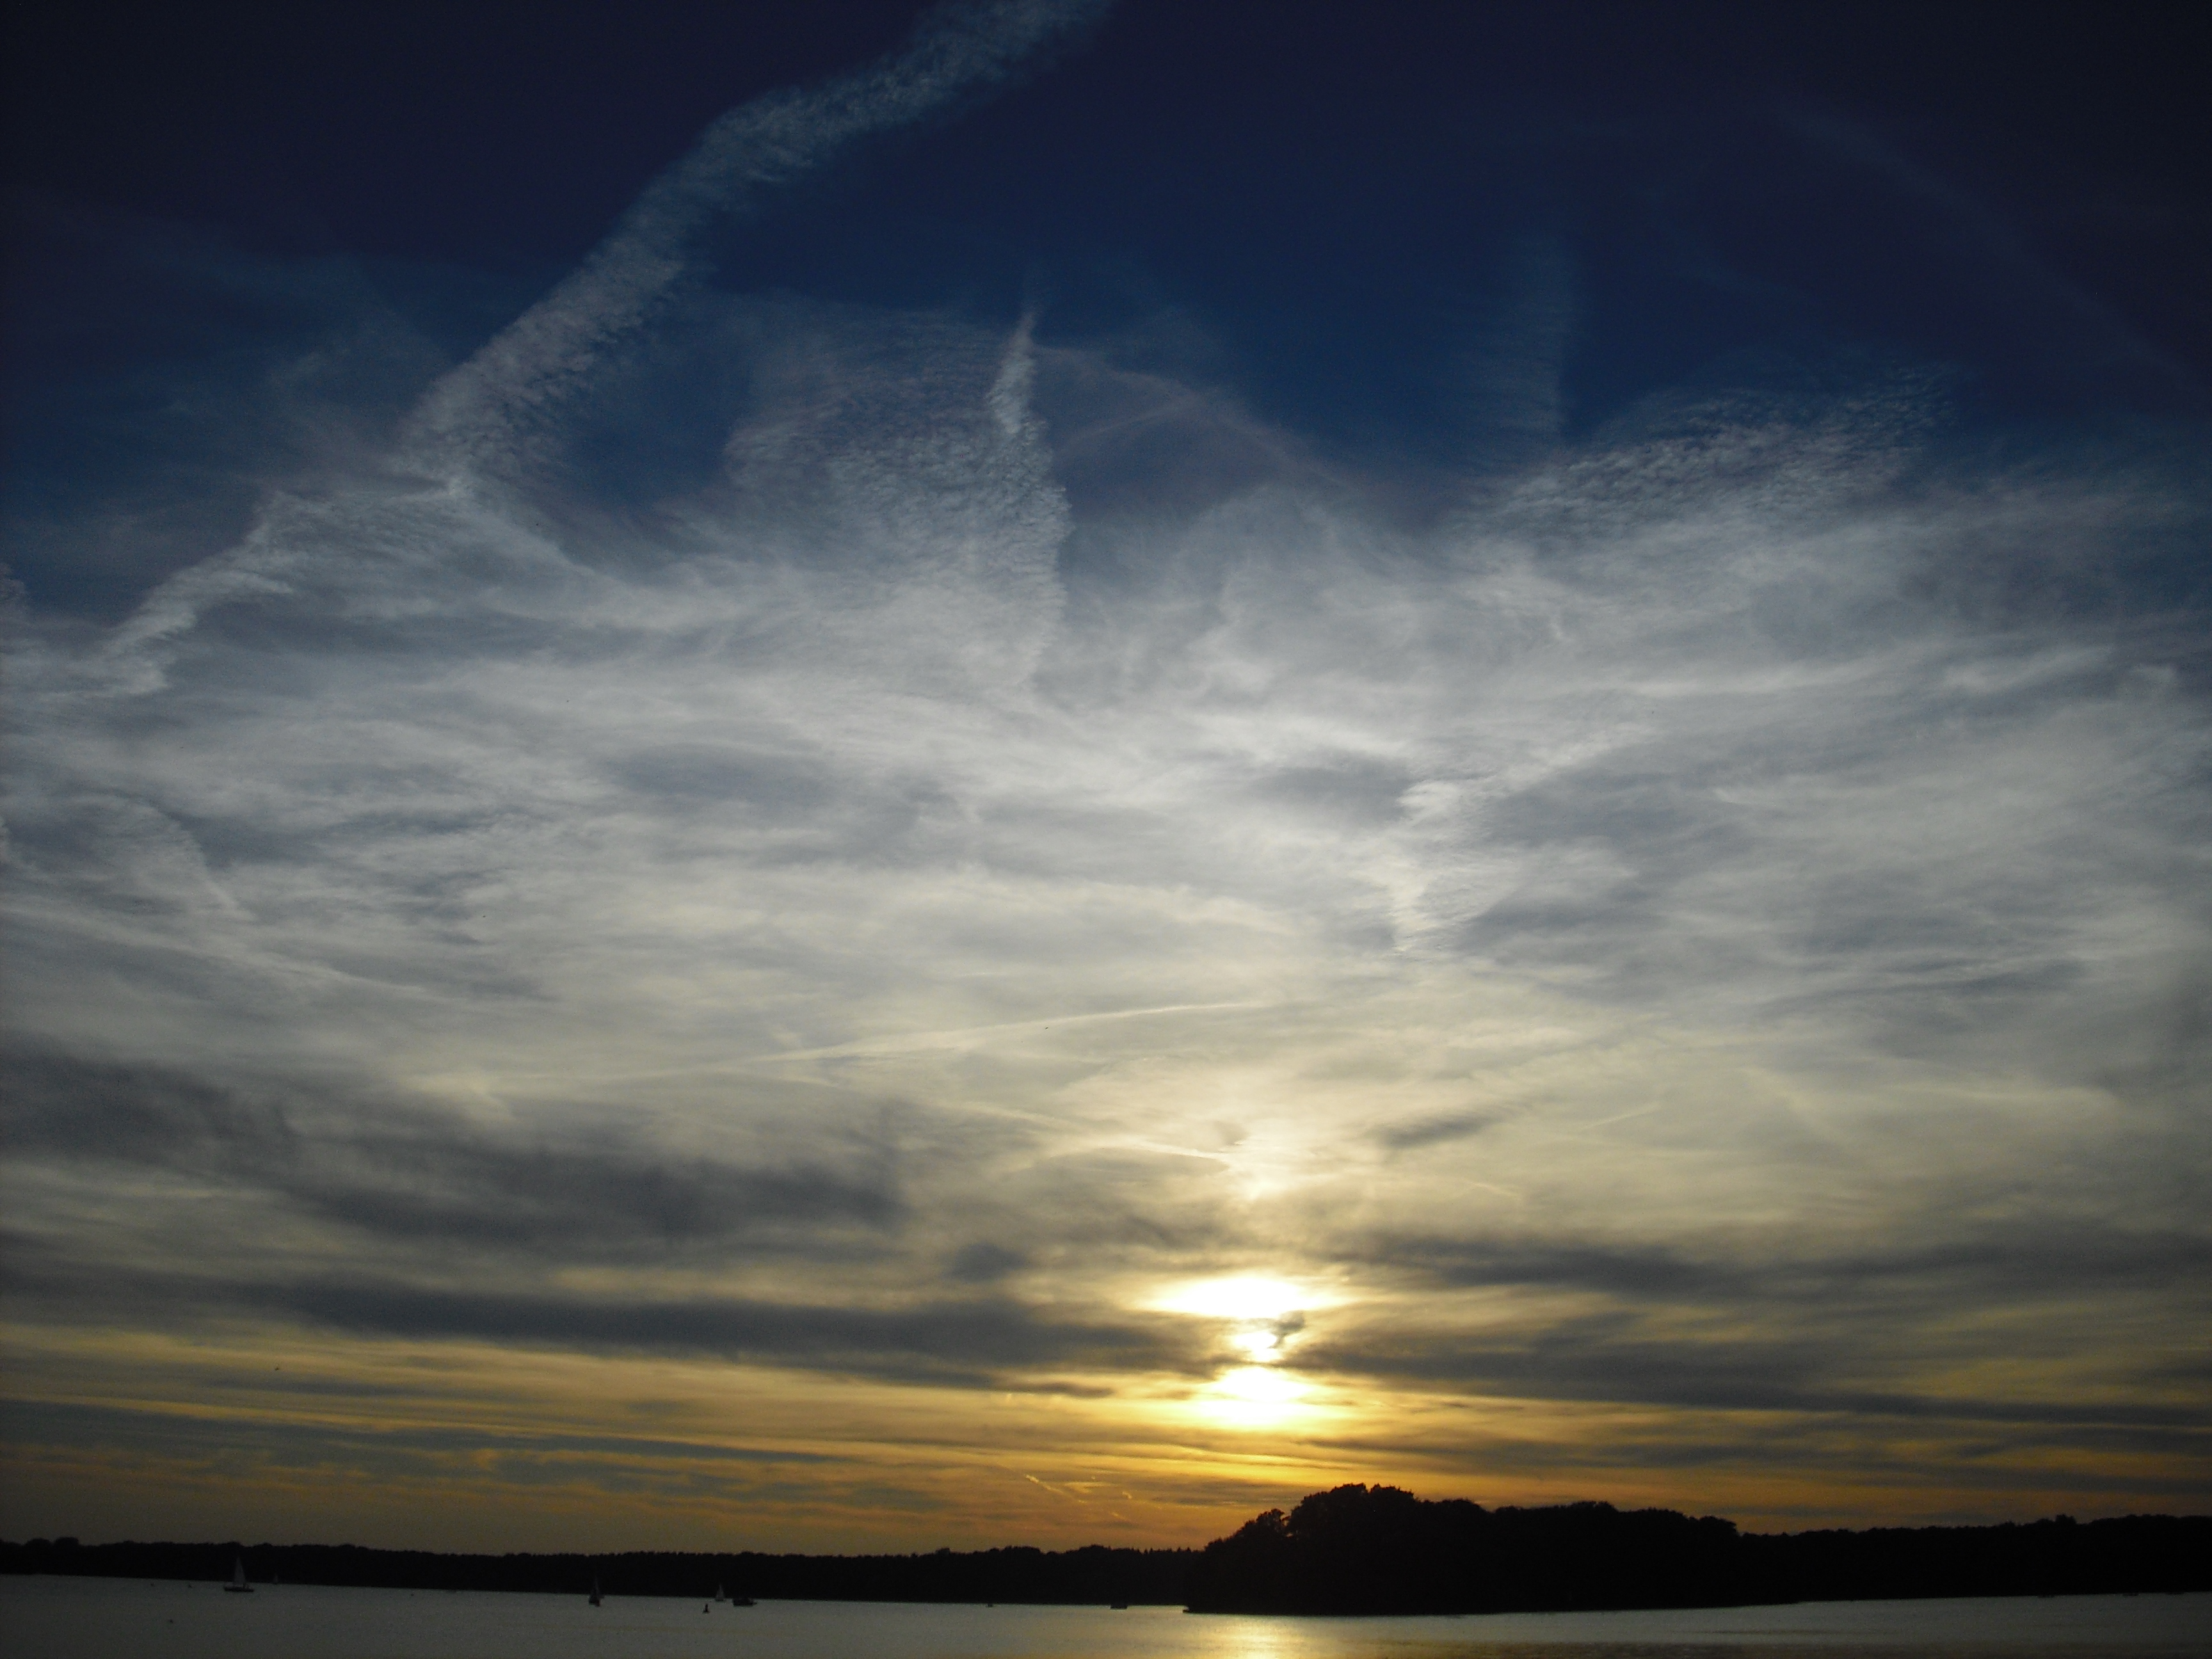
(1264, 1312)
(1244, 1297)
(1254, 1397)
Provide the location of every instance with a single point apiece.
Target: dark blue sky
(1331, 200)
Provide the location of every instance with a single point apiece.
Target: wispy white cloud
(482, 416)
(1648, 797)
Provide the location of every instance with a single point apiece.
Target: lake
(43, 1618)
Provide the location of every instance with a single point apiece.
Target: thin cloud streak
(481, 414)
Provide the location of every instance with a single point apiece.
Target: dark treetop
(1361, 1549)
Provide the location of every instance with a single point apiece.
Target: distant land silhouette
(1363, 1549)
(1356, 1550)
(1019, 1573)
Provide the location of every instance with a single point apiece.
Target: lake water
(130, 1618)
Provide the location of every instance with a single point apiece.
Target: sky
(851, 778)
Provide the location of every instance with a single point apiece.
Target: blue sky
(1035, 772)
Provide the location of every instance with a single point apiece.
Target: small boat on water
(238, 1586)
(720, 1594)
(595, 1589)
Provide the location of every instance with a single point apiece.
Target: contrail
(486, 420)
(481, 418)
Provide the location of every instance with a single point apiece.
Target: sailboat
(238, 1586)
(595, 1589)
(720, 1594)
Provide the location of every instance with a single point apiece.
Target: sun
(1253, 1397)
(1263, 1314)
(1244, 1297)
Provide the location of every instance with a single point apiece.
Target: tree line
(1361, 1549)
(1355, 1550)
(1094, 1573)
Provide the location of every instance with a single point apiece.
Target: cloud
(401, 1171)
(484, 413)
(833, 746)
(63, 1425)
(972, 1343)
(862, 842)
(1429, 1132)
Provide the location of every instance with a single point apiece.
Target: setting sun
(1252, 1296)
(1265, 1312)
(1254, 1397)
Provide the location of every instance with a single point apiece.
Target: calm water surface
(124, 1618)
